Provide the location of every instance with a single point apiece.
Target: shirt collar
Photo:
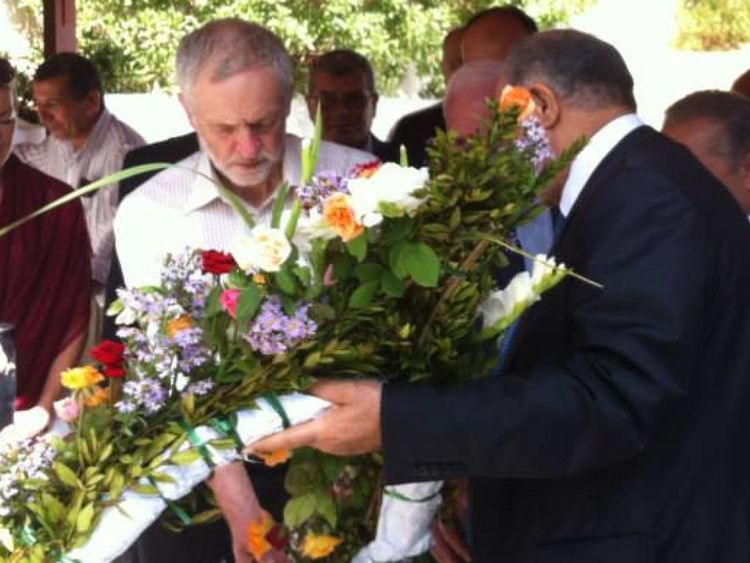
(204, 190)
(584, 164)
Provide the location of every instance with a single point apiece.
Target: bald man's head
(465, 105)
(451, 52)
(492, 33)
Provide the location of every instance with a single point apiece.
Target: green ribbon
(29, 539)
(176, 508)
(399, 496)
(273, 400)
(228, 429)
(198, 443)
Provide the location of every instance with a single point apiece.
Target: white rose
(390, 184)
(504, 303)
(546, 272)
(265, 249)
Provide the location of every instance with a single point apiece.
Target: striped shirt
(103, 154)
(182, 208)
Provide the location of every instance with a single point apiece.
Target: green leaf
(54, 508)
(299, 509)
(186, 457)
(66, 475)
(213, 302)
(391, 284)
(357, 247)
(278, 204)
(363, 295)
(417, 260)
(85, 517)
(285, 281)
(248, 304)
(368, 272)
(343, 266)
(145, 489)
(325, 506)
(188, 404)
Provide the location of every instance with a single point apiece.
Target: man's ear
(93, 102)
(547, 104)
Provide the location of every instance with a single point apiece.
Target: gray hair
(581, 68)
(226, 47)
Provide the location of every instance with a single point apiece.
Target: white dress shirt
(586, 161)
(103, 154)
(181, 208)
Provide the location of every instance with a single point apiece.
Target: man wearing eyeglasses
(343, 84)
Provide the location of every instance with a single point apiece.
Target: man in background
(342, 83)
(414, 130)
(85, 142)
(715, 126)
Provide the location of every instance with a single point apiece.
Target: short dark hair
(83, 77)
(578, 66)
(344, 62)
(7, 74)
(730, 111)
(509, 10)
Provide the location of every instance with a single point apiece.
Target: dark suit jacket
(385, 151)
(620, 434)
(415, 130)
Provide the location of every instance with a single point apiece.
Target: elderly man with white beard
(236, 86)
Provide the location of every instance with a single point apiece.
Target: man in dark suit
(342, 82)
(619, 433)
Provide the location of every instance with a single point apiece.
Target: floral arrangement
(387, 273)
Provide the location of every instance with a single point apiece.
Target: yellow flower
(316, 546)
(260, 279)
(178, 325)
(82, 377)
(517, 96)
(258, 543)
(340, 216)
(98, 396)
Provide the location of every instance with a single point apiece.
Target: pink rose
(67, 409)
(230, 298)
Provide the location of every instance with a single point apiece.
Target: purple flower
(273, 332)
(199, 388)
(534, 141)
(320, 187)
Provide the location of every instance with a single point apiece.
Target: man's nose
(248, 145)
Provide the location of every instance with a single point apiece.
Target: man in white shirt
(236, 85)
(85, 143)
(715, 126)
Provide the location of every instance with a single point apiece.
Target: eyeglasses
(355, 101)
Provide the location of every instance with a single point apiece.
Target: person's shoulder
(47, 187)
(123, 135)
(430, 116)
(340, 158)
(169, 187)
(169, 150)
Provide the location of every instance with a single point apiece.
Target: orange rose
(178, 325)
(99, 395)
(317, 546)
(519, 97)
(339, 214)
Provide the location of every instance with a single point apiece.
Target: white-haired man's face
(240, 122)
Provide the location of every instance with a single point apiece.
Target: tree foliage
(713, 25)
(133, 42)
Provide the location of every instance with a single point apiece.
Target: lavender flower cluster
(274, 332)
(29, 459)
(534, 140)
(183, 277)
(320, 187)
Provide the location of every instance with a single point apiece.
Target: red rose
(108, 352)
(115, 371)
(215, 262)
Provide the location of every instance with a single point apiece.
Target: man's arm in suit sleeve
(625, 373)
